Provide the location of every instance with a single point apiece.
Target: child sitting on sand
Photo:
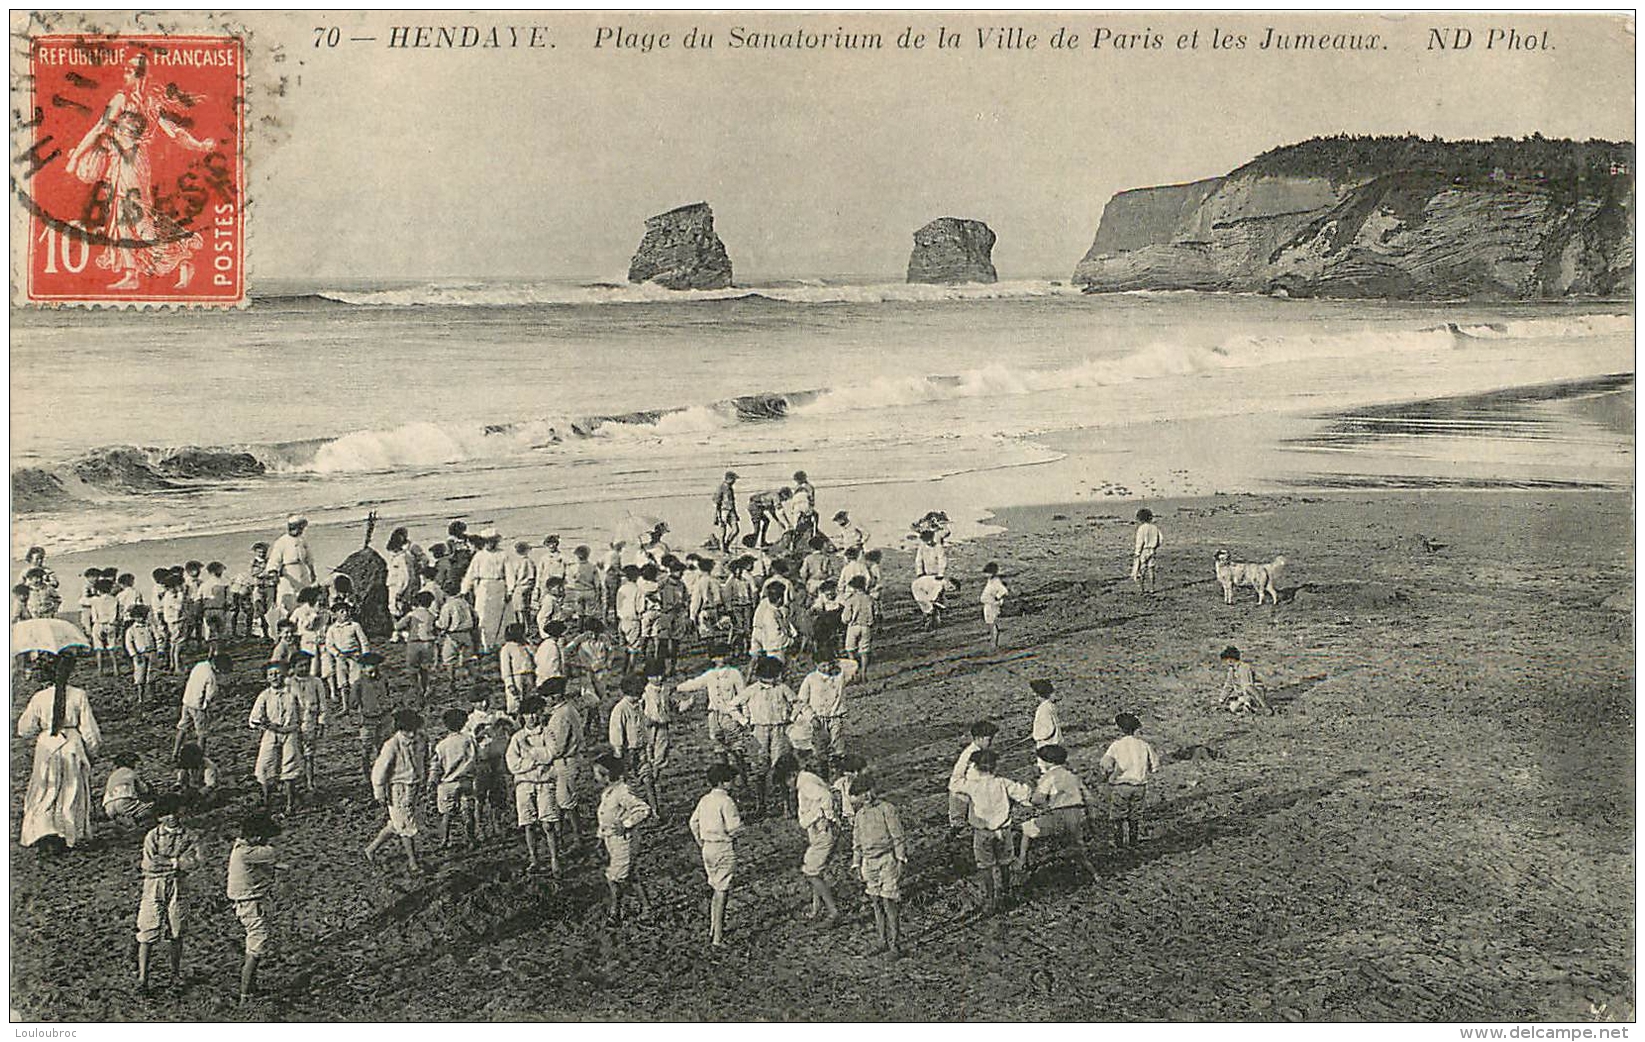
(1241, 693)
(196, 773)
(126, 797)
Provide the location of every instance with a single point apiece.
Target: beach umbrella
(53, 636)
(635, 528)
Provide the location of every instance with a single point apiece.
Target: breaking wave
(548, 294)
(126, 470)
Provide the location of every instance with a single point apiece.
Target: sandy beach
(1438, 826)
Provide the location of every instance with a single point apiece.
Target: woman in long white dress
(486, 581)
(58, 803)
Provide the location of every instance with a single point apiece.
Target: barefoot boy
(278, 717)
(396, 782)
(880, 854)
(991, 798)
(451, 772)
(1064, 805)
(530, 759)
(618, 813)
(251, 867)
(1126, 766)
(821, 824)
(714, 825)
(139, 641)
(170, 853)
(993, 598)
(1147, 545)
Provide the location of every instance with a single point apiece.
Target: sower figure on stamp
(115, 153)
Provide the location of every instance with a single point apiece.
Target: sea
(568, 405)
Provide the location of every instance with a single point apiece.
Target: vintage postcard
(823, 516)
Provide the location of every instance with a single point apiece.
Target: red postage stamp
(133, 170)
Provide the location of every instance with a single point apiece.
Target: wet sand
(1439, 826)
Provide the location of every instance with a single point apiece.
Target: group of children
(565, 683)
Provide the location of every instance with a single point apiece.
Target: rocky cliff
(1383, 218)
(681, 251)
(952, 249)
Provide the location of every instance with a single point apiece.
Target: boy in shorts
(618, 814)
(1126, 766)
(420, 631)
(530, 759)
(879, 852)
(456, 626)
(170, 852)
(140, 646)
(515, 665)
(982, 737)
(1064, 805)
(311, 704)
(565, 735)
(714, 825)
(396, 783)
(251, 867)
(991, 798)
(103, 612)
(820, 823)
(451, 772)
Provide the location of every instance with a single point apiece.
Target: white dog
(1260, 577)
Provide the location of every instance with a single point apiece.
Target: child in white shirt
(993, 597)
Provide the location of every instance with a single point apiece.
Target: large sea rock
(953, 249)
(1383, 218)
(681, 251)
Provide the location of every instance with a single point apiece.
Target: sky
(376, 163)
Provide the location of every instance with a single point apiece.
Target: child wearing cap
(252, 863)
(170, 852)
(140, 647)
(823, 691)
(451, 774)
(278, 716)
(1047, 721)
(1241, 693)
(617, 815)
(1064, 805)
(1148, 542)
(991, 797)
(265, 586)
(625, 727)
(515, 663)
(879, 853)
(993, 598)
(530, 759)
(396, 783)
(714, 825)
(1126, 766)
